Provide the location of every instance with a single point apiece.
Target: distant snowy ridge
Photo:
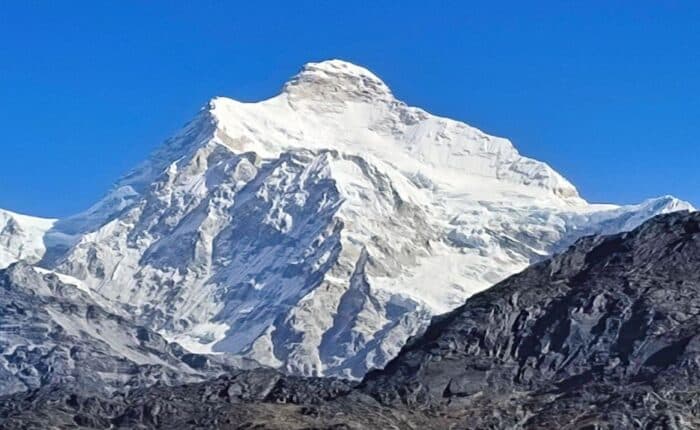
(317, 230)
(21, 237)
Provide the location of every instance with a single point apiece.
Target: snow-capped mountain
(317, 230)
(22, 237)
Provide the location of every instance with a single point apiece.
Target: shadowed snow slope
(317, 230)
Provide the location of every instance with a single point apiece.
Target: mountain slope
(603, 336)
(52, 332)
(317, 230)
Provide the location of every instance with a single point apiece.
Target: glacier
(317, 230)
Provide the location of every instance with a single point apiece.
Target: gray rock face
(605, 335)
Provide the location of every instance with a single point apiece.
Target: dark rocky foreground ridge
(605, 335)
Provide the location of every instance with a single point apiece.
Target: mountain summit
(339, 106)
(337, 80)
(317, 230)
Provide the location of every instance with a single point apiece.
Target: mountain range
(314, 233)
(605, 335)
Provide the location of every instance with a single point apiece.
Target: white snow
(22, 237)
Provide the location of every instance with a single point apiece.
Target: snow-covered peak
(338, 67)
(669, 203)
(337, 80)
(22, 237)
(338, 106)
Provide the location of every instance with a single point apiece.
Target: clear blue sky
(607, 92)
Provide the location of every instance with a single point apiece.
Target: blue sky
(606, 92)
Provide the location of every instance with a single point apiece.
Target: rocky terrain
(605, 335)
